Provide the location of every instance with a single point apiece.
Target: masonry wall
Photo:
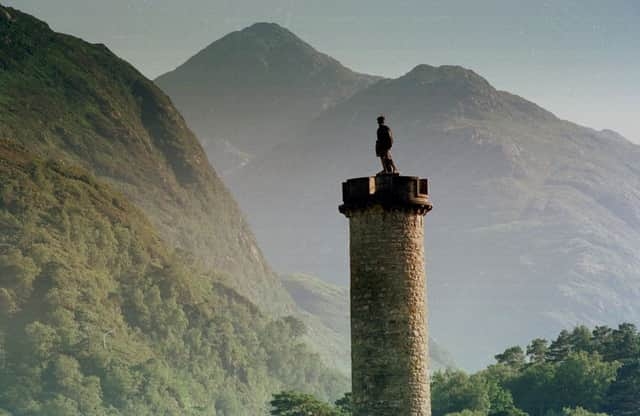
(389, 338)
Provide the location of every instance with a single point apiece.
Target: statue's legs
(384, 165)
(388, 165)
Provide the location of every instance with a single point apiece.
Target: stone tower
(389, 338)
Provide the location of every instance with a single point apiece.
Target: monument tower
(389, 338)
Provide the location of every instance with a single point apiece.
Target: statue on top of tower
(383, 148)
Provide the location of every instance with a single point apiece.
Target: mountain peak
(269, 35)
(246, 88)
(426, 74)
(266, 28)
(261, 41)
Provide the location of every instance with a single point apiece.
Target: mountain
(536, 220)
(98, 316)
(71, 100)
(256, 88)
(330, 304)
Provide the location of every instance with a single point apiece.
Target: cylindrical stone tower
(389, 338)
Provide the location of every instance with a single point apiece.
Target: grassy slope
(98, 316)
(76, 101)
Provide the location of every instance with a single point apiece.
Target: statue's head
(380, 119)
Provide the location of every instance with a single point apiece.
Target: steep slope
(72, 100)
(99, 317)
(330, 304)
(255, 88)
(536, 224)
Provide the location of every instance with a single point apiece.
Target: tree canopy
(582, 372)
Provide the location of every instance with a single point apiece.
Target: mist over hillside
(536, 220)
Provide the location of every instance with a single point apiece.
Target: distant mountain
(536, 220)
(330, 304)
(256, 88)
(98, 316)
(68, 99)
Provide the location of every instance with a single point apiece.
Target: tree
(537, 350)
(601, 339)
(623, 397)
(512, 357)
(345, 403)
(624, 343)
(583, 380)
(560, 348)
(467, 413)
(577, 411)
(291, 403)
(532, 388)
(501, 402)
(581, 339)
(455, 391)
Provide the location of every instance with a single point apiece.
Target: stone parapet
(388, 191)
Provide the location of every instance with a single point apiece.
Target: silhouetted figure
(383, 148)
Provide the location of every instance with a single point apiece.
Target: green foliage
(512, 357)
(623, 398)
(577, 411)
(345, 404)
(582, 380)
(576, 376)
(537, 350)
(453, 391)
(99, 317)
(291, 403)
(467, 412)
(582, 371)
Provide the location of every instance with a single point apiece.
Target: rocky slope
(536, 224)
(255, 88)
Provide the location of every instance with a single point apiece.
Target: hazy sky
(577, 58)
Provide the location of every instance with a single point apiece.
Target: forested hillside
(99, 317)
(130, 282)
(68, 99)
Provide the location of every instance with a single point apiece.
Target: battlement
(388, 191)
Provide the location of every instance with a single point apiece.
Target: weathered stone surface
(389, 337)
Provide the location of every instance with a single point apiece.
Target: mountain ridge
(538, 207)
(263, 69)
(533, 215)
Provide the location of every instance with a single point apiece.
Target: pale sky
(577, 58)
